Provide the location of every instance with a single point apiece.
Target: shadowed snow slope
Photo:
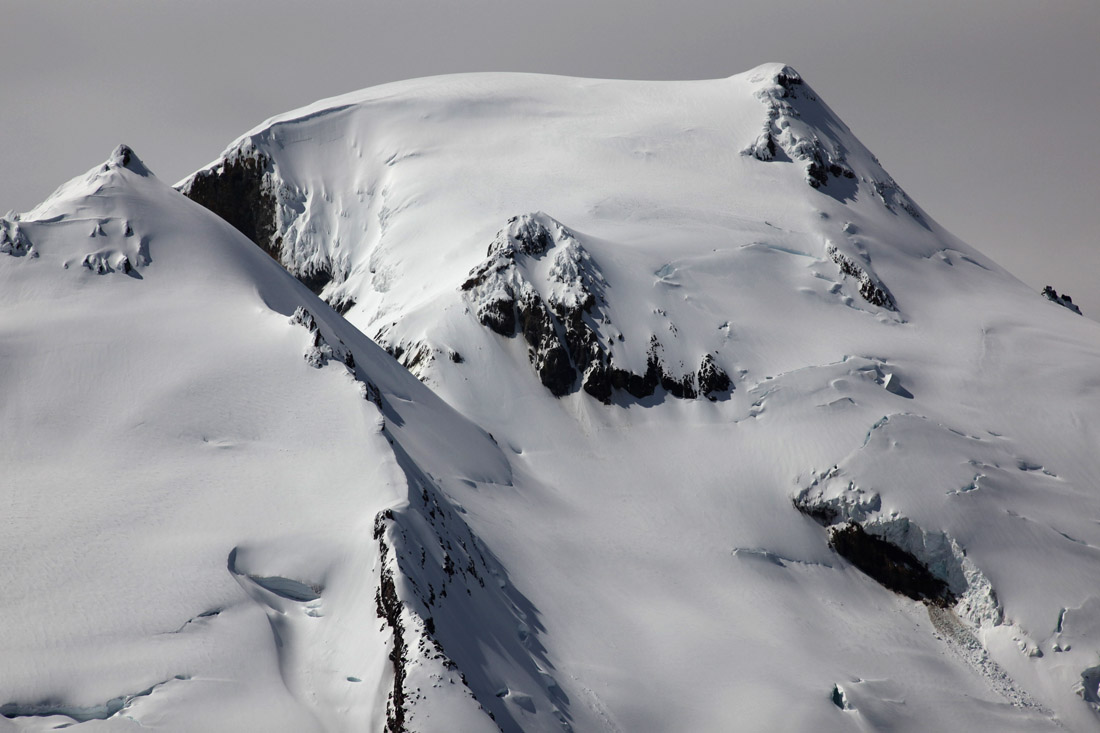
(701, 332)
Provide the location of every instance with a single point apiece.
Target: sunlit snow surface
(190, 530)
(188, 502)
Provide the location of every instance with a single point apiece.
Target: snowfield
(715, 429)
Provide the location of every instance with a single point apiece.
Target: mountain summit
(715, 429)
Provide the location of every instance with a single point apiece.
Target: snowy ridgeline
(734, 436)
(238, 441)
(328, 219)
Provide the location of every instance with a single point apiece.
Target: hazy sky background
(986, 111)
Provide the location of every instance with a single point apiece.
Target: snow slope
(559, 259)
(732, 388)
(191, 507)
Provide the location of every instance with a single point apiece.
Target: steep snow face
(518, 241)
(197, 453)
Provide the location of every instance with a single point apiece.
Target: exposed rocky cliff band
(243, 189)
(561, 318)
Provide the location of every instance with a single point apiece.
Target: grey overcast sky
(986, 111)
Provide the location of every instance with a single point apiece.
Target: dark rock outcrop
(547, 350)
(871, 288)
(821, 159)
(321, 351)
(1052, 295)
(562, 328)
(237, 191)
(415, 356)
(435, 576)
(890, 565)
(244, 189)
(712, 380)
(798, 127)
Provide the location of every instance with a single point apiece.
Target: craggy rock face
(924, 563)
(712, 378)
(870, 287)
(433, 574)
(1063, 300)
(236, 192)
(890, 565)
(822, 160)
(560, 328)
(791, 130)
(243, 191)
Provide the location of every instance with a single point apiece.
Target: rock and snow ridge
(566, 330)
(331, 233)
(210, 406)
(1063, 300)
(597, 554)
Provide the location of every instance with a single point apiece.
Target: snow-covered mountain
(218, 493)
(732, 434)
